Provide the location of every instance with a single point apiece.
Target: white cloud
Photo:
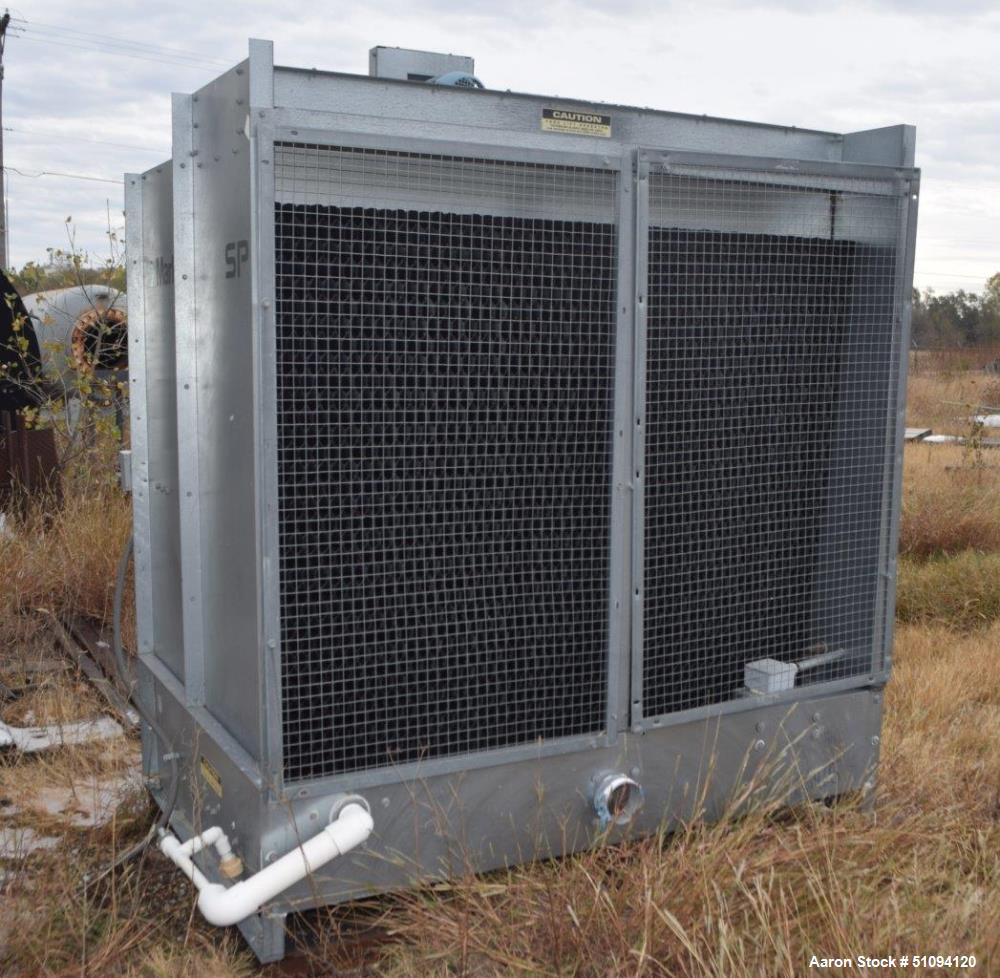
(844, 66)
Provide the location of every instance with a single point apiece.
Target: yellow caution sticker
(212, 777)
(576, 123)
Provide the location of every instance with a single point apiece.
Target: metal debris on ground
(16, 842)
(30, 740)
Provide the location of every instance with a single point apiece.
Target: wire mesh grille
(445, 339)
(770, 362)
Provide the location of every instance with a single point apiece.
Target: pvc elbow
(223, 907)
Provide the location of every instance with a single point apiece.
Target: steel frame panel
(268, 131)
(188, 462)
(889, 181)
(139, 441)
(897, 424)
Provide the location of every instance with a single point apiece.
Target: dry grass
(950, 504)
(759, 896)
(962, 592)
(945, 401)
(949, 363)
(62, 560)
(753, 896)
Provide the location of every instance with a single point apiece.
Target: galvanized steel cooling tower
(506, 470)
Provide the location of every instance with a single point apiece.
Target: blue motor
(460, 79)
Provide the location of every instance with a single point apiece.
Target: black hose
(116, 616)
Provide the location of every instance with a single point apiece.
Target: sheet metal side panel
(889, 143)
(153, 393)
(638, 433)
(221, 546)
(139, 455)
(261, 82)
(430, 111)
(139, 440)
(266, 396)
(894, 448)
(195, 734)
(189, 493)
(481, 819)
(620, 564)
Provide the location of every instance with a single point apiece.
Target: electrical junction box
(420, 66)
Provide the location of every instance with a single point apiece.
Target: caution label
(212, 777)
(576, 123)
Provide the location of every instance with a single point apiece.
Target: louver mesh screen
(770, 362)
(445, 383)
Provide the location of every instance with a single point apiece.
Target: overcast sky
(75, 105)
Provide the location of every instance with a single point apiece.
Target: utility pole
(4, 21)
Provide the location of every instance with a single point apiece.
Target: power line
(122, 53)
(52, 137)
(943, 274)
(71, 37)
(57, 173)
(105, 38)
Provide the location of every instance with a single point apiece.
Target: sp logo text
(237, 255)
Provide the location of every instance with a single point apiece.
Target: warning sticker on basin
(576, 123)
(212, 777)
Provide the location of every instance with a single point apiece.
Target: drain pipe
(224, 906)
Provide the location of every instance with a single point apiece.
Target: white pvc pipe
(223, 907)
(210, 837)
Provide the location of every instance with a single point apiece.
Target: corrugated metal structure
(527, 447)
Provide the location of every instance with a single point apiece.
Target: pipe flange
(617, 799)
(342, 801)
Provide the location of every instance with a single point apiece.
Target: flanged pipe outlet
(617, 798)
